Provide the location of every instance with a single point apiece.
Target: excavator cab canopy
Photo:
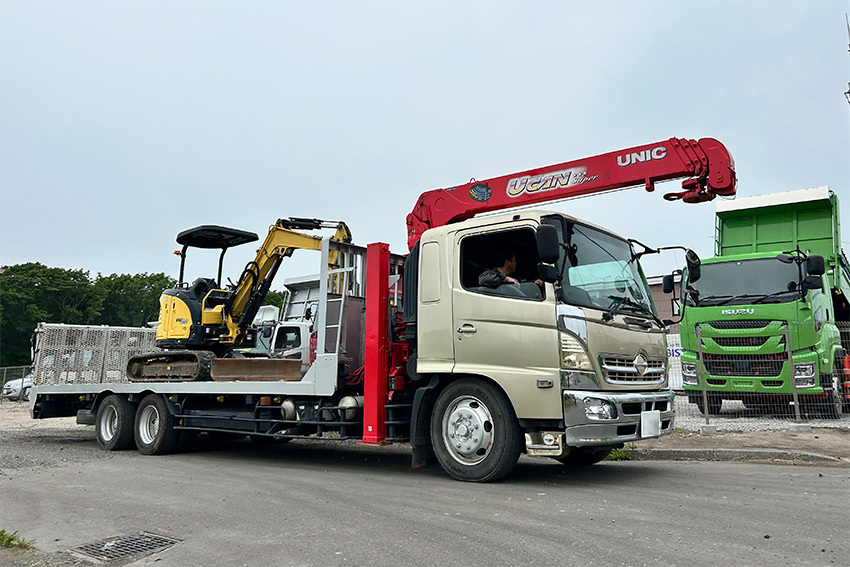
(212, 236)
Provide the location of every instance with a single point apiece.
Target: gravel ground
(735, 417)
(26, 444)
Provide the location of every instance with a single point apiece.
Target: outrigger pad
(214, 236)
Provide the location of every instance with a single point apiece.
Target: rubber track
(204, 358)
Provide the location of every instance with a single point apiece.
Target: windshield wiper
(774, 294)
(620, 301)
(699, 300)
(741, 296)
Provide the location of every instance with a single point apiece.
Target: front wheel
(833, 406)
(154, 428)
(114, 423)
(474, 432)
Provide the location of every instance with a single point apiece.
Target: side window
(489, 262)
(287, 338)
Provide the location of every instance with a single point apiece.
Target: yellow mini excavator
(205, 320)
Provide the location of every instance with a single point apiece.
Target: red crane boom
(706, 163)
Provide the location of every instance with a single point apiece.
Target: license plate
(650, 423)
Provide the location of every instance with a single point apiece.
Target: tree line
(31, 293)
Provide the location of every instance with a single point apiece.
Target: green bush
(13, 540)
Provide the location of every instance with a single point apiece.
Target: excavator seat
(201, 287)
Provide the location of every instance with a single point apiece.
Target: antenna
(847, 21)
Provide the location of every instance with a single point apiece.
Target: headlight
(689, 373)
(804, 375)
(595, 408)
(573, 354)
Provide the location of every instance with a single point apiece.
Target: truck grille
(618, 368)
(740, 324)
(744, 364)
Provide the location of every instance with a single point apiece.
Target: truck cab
(766, 309)
(582, 357)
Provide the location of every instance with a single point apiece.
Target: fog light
(548, 439)
(599, 409)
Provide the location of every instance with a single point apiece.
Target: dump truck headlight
(689, 373)
(804, 375)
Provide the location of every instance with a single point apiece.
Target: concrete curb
(735, 455)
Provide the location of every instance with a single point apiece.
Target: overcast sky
(123, 123)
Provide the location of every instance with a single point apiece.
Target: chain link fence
(761, 374)
(8, 376)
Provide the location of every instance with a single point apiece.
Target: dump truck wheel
(154, 427)
(833, 406)
(114, 423)
(474, 431)
(585, 456)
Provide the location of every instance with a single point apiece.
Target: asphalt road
(302, 504)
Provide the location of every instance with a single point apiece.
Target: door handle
(466, 329)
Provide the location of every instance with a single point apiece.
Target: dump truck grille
(744, 364)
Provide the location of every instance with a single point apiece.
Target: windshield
(745, 281)
(598, 270)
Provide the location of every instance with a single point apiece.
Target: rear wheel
(474, 431)
(585, 456)
(154, 427)
(114, 423)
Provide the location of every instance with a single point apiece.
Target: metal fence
(762, 374)
(9, 373)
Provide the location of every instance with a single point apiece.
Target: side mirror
(693, 262)
(815, 265)
(548, 246)
(667, 284)
(267, 331)
(813, 282)
(547, 273)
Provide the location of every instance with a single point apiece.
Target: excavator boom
(706, 163)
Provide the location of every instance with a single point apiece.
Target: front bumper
(639, 415)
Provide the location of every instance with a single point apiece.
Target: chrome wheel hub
(148, 424)
(109, 424)
(468, 430)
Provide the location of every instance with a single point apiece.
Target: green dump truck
(771, 306)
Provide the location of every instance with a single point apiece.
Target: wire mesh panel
(86, 354)
(744, 373)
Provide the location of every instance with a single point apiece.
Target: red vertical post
(376, 355)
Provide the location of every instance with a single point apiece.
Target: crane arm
(706, 163)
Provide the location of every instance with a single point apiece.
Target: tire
(114, 423)
(833, 406)
(585, 456)
(154, 427)
(474, 431)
